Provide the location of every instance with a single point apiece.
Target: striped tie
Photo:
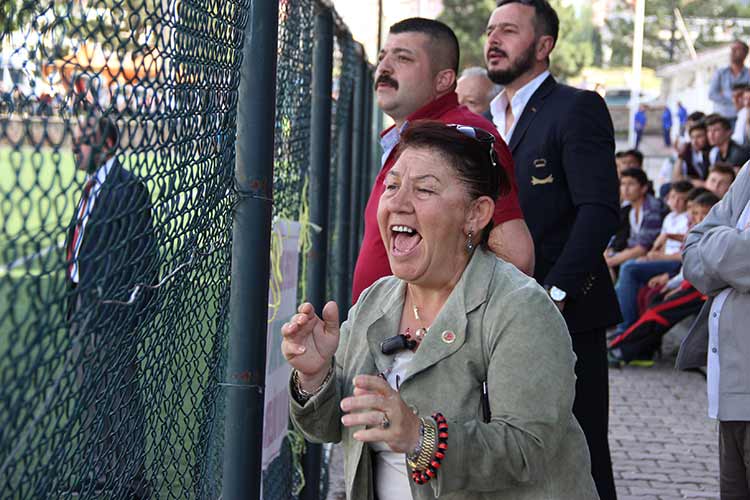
(74, 244)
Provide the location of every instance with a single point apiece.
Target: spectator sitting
(693, 118)
(720, 177)
(741, 133)
(693, 160)
(664, 256)
(640, 220)
(631, 158)
(723, 148)
(696, 202)
(643, 338)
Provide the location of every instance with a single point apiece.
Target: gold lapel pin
(537, 182)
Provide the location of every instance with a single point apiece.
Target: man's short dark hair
(681, 186)
(744, 45)
(636, 173)
(696, 116)
(715, 118)
(446, 52)
(740, 86)
(724, 169)
(631, 152)
(546, 21)
(700, 125)
(696, 192)
(108, 130)
(707, 199)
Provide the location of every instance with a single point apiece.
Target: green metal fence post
(377, 124)
(320, 169)
(251, 245)
(344, 213)
(367, 144)
(358, 118)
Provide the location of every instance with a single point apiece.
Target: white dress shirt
(739, 127)
(99, 177)
(389, 141)
(712, 368)
(500, 103)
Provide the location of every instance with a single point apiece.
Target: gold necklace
(421, 331)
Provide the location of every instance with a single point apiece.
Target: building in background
(688, 81)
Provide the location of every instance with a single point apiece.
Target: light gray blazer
(508, 332)
(716, 257)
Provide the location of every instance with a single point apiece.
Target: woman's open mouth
(404, 240)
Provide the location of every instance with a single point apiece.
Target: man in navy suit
(562, 141)
(110, 264)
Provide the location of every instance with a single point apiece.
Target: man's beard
(517, 68)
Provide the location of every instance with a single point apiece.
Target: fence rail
(140, 174)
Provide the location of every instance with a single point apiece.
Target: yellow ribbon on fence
(276, 278)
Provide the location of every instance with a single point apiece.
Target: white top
(739, 127)
(635, 220)
(520, 99)
(674, 223)
(712, 368)
(391, 479)
(665, 171)
(99, 177)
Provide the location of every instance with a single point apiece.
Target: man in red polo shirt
(416, 79)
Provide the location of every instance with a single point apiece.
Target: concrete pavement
(663, 444)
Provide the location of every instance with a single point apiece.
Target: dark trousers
(591, 405)
(667, 136)
(112, 452)
(734, 460)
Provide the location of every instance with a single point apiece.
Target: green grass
(38, 195)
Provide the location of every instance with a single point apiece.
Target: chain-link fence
(117, 194)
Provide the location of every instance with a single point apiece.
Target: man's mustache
(387, 80)
(498, 52)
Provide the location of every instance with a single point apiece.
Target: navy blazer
(563, 148)
(119, 249)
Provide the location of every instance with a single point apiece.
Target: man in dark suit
(562, 141)
(111, 261)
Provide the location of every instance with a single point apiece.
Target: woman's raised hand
(384, 414)
(309, 342)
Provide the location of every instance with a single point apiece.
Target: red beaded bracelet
(422, 476)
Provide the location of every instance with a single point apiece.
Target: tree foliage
(716, 17)
(575, 46)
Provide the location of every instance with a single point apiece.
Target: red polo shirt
(372, 262)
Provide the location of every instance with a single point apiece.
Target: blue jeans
(633, 275)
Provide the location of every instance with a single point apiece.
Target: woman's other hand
(309, 343)
(386, 416)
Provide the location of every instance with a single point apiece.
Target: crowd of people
(499, 251)
(509, 257)
(645, 255)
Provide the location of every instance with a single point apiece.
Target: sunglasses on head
(478, 134)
